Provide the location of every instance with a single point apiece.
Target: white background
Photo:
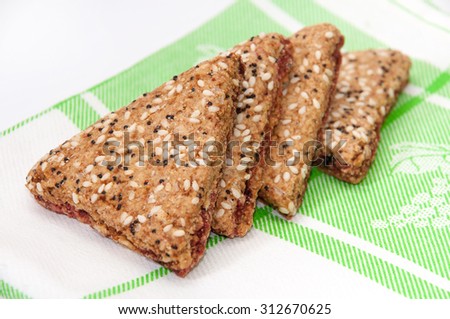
(50, 50)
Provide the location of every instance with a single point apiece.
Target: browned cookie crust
(266, 59)
(304, 103)
(367, 89)
(152, 200)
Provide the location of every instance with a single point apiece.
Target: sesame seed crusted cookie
(304, 103)
(367, 89)
(266, 59)
(130, 175)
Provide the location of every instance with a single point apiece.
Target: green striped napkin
(388, 236)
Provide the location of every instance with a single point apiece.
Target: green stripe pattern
(9, 292)
(350, 208)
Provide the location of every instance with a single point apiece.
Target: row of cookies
(144, 175)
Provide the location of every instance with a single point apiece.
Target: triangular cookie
(266, 59)
(368, 85)
(147, 195)
(304, 104)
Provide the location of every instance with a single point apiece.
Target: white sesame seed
(127, 115)
(286, 133)
(304, 171)
(151, 199)
(118, 133)
(325, 78)
(157, 100)
(316, 104)
(86, 184)
(101, 188)
(391, 92)
(134, 184)
(277, 179)
(129, 172)
(128, 220)
(318, 54)
(256, 118)
(196, 113)
(302, 110)
(75, 198)
(266, 76)
(89, 168)
(293, 169)
(180, 232)
(186, 184)
(283, 210)
(236, 193)
(44, 166)
(252, 47)
(219, 213)
(270, 86)
(272, 59)
(94, 198)
(291, 207)
(123, 216)
(100, 158)
(100, 139)
(316, 68)
(179, 88)
(222, 183)
(105, 176)
(39, 187)
(305, 62)
(304, 95)
(329, 35)
(292, 106)
(167, 228)
(223, 65)
(163, 132)
(252, 81)
(108, 186)
(370, 119)
(286, 121)
(200, 83)
(159, 188)
(155, 210)
(213, 109)
(258, 108)
(131, 195)
(194, 120)
(207, 93)
(195, 186)
(195, 200)
(182, 222)
(241, 167)
(286, 176)
(295, 79)
(226, 205)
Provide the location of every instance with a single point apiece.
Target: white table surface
(50, 50)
